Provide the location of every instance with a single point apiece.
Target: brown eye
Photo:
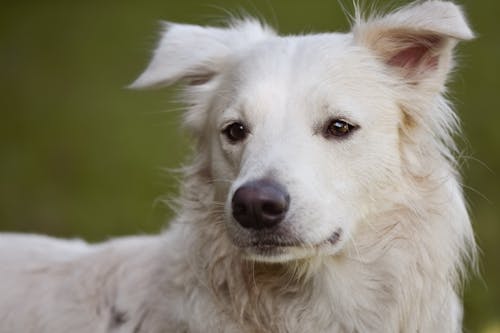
(338, 128)
(235, 132)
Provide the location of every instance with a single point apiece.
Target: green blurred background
(80, 156)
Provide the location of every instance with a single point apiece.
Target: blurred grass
(82, 156)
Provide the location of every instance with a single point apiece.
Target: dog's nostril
(274, 207)
(260, 204)
(239, 208)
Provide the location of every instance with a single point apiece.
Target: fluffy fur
(389, 192)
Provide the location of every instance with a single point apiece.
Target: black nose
(260, 204)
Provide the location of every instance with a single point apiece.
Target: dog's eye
(338, 128)
(235, 132)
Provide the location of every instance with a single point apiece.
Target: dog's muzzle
(260, 204)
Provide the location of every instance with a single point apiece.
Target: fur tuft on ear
(416, 40)
(196, 53)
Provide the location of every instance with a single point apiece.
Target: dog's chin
(279, 253)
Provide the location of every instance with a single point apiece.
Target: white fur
(391, 189)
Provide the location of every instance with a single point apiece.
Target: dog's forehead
(289, 56)
(311, 71)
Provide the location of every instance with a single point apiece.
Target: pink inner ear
(419, 54)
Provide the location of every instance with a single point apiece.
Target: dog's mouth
(269, 246)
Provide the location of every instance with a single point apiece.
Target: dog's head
(305, 136)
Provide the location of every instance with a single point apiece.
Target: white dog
(323, 195)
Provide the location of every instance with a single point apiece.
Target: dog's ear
(195, 54)
(417, 40)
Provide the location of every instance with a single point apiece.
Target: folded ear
(417, 40)
(196, 53)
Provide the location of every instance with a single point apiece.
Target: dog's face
(303, 130)
(303, 134)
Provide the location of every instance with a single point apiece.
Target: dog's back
(53, 285)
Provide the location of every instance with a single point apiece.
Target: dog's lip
(334, 238)
(271, 243)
